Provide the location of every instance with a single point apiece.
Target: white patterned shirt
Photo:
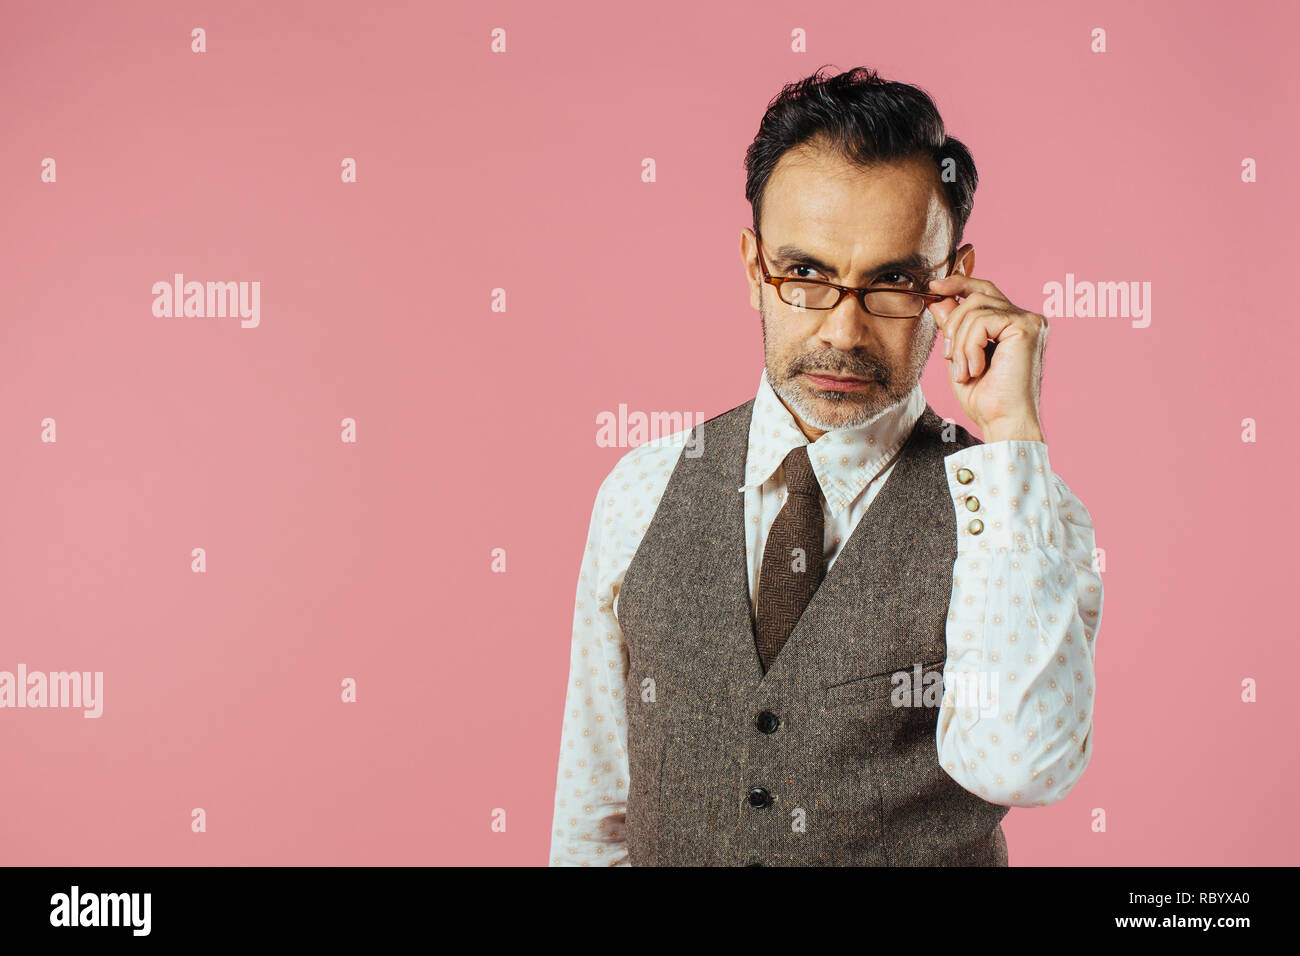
(1023, 615)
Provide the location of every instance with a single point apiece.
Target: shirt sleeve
(592, 780)
(1015, 725)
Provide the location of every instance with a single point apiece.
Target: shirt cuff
(1002, 495)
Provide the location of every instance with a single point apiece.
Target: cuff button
(964, 476)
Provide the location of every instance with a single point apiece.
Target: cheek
(903, 341)
(785, 343)
(775, 333)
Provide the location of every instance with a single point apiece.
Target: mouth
(836, 383)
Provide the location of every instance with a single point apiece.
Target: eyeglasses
(886, 302)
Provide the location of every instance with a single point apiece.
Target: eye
(795, 269)
(895, 278)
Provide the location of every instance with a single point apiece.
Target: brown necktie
(793, 561)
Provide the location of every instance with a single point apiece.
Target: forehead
(817, 198)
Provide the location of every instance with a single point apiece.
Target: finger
(967, 343)
(964, 286)
(956, 339)
(983, 329)
(973, 346)
(984, 300)
(943, 309)
(942, 313)
(976, 341)
(972, 302)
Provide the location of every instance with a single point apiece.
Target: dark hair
(869, 121)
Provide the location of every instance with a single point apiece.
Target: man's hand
(995, 354)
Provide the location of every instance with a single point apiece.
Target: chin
(830, 414)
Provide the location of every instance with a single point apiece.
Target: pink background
(477, 429)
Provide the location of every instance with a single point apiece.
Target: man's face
(855, 222)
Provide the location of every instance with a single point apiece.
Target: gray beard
(894, 391)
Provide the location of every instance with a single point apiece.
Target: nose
(847, 326)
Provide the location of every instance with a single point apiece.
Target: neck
(811, 433)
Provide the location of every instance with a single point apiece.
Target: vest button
(767, 722)
(976, 526)
(972, 503)
(759, 798)
(964, 476)
(755, 863)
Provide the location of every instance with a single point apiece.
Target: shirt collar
(845, 460)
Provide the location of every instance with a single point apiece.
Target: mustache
(868, 369)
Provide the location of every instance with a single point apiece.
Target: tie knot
(799, 476)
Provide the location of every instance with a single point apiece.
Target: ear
(749, 259)
(965, 263)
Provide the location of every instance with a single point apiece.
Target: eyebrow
(788, 255)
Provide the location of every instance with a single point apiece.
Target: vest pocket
(879, 686)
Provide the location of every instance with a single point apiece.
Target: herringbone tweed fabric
(793, 560)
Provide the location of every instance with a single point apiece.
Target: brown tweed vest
(810, 764)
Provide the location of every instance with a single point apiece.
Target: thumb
(941, 310)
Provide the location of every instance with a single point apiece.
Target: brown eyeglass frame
(859, 293)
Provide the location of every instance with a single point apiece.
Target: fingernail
(954, 371)
(947, 347)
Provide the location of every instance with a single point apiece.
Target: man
(833, 628)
